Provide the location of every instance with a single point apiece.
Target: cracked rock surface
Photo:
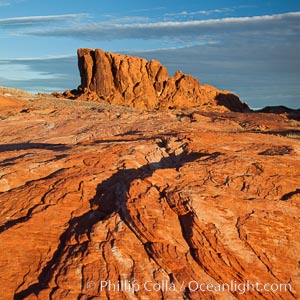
(91, 193)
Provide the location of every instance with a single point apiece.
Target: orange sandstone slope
(135, 82)
(103, 202)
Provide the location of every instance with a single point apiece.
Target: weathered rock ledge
(135, 82)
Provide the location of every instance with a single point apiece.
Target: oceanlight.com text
(192, 286)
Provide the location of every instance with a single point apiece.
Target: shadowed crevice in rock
(65, 147)
(27, 146)
(277, 150)
(18, 221)
(288, 133)
(42, 205)
(289, 195)
(111, 197)
(10, 161)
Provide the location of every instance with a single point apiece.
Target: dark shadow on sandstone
(277, 150)
(232, 102)
(32, 210)
(110, 198)
(27, 146)
(64, 147)
(287, 133)
(289, 195)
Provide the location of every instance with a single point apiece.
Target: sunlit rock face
(135, 82)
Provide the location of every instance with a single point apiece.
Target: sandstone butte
(161, 201)
(135, 82)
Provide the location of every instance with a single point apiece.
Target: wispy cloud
(199, 12)
(244, 6)
(259, 71)
(142, 10)
(40, 20)
(208, 12)
(126, 20)
(288, 23)
(35, 59)
(5, 3)
(40, 74)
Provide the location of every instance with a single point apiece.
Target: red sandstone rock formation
(92, 194)
(135, 82)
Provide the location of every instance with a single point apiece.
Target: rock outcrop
(135, 82)
(108, 202)
(291, 113)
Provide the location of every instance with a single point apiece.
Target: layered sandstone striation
(93, 194)
(135, 82)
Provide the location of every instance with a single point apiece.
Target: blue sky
(250, 47)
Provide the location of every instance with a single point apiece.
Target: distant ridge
(281, 110)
